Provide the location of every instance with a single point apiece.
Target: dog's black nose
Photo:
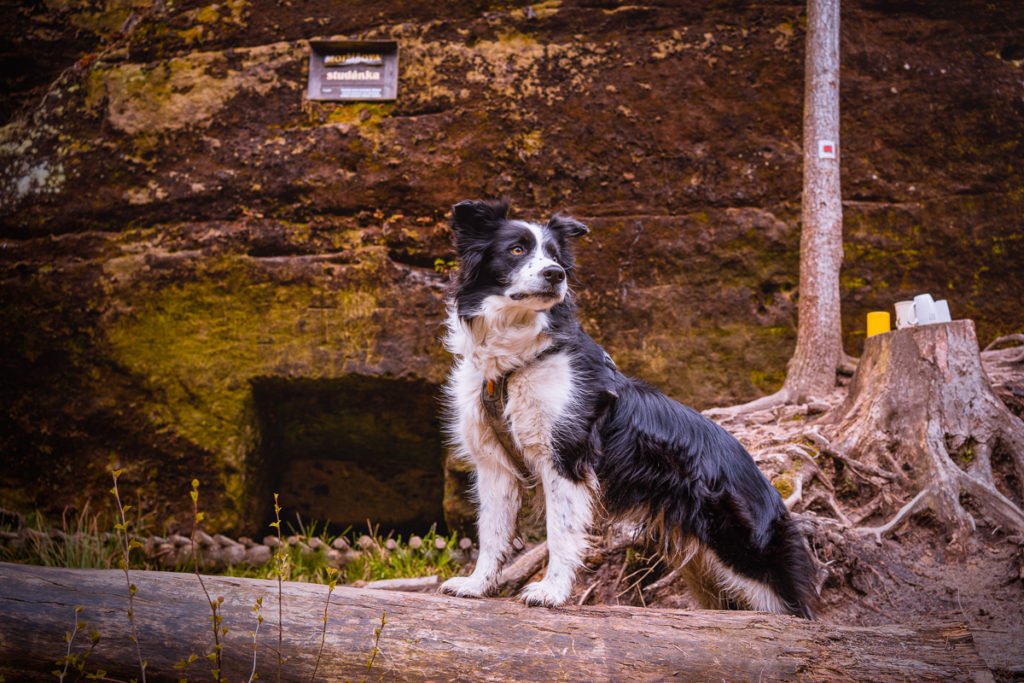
(553, 274)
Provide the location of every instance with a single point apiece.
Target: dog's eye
(517, 250)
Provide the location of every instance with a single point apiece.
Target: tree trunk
(430, 637)
(921, 413)
(812, 370)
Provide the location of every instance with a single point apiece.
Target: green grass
(378, 560)
(404, 560)
(82, 545)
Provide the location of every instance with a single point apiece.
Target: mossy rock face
(661, 304)
(179, 223)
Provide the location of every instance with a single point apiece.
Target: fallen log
(432, 637)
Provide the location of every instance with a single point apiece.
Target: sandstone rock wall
(178, 222)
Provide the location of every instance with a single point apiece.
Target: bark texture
(429, 637)
(921, 414)
(812, 370)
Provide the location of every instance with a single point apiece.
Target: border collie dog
(532, 399)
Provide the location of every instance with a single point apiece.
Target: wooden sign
(353, 70)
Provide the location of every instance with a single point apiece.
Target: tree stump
(921, 413)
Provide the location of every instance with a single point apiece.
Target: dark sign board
(353, 70)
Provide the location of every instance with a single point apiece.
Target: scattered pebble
(219, 550)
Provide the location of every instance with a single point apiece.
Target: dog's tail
(792, 579)
(783, 584)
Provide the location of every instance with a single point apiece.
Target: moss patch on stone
(196, 342)
(185, 91)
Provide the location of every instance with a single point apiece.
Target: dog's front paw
(464, 587)
(545, 593)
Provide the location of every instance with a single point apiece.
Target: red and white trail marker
(827, 149)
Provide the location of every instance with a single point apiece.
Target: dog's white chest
(539, 395)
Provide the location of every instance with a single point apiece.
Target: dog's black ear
(566, 226)
(478, 217)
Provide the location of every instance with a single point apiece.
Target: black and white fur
(596, 440)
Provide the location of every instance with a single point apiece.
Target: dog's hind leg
(497, 489)
(569, 510)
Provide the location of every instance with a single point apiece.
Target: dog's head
(524, 264)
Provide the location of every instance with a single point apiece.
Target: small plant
(323, 634)
(128, 544)
(258, 609)
(71, 659)
(376, 646)
(215, 656)
(280, 568)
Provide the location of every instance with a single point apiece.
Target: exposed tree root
(786, 396)
(1014, 354)
(779, 398)
(906, 511)
(920, 427)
